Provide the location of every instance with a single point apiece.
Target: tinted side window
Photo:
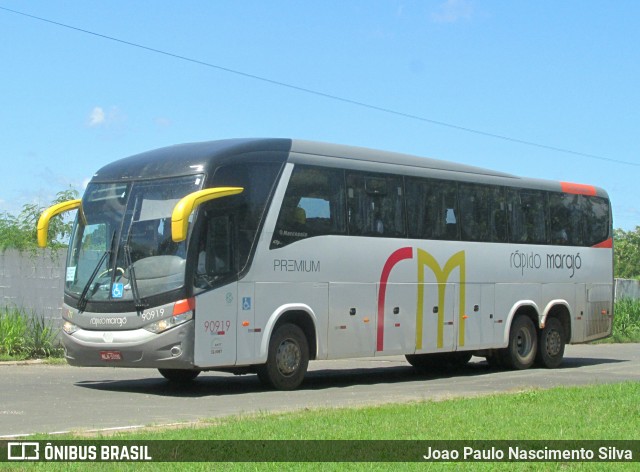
(527, 216)
(596, 220)
(566, 219)
(313, 205)
(248, 207)
(375, 205)
(482, 213)
(432, 209)
(216, 251)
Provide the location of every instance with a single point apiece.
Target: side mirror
(186, 206)
(43, 221)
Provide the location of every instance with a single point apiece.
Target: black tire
(287, 360)
(458, 360)
(523, 344)
(179, 376)
(551, 344)
(423, 362)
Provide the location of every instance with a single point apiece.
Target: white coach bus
(258, 255)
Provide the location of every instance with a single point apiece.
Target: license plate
(111, 355)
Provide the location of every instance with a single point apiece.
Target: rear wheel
(523, 344)
(287, 360)
(179, 376)
(551, 344)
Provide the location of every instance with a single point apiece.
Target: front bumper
(171, 349)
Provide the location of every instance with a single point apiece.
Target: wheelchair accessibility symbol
(117, 290)
(246, 303)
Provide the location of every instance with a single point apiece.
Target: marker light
(182, 306)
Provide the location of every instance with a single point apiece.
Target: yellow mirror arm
(186, 206)
(43, 221)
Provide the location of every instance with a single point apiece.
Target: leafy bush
(26, 336)
(627, 253)
(13, 326)
(626, 322)
(19, 232)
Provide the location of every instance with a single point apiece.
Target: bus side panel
(436, 325)
(248, 331)
(396, 323)
(599, 314)
(276, 299)
(478, 317)
(558, 294)
(216, 327)
(352, 320)
(509, 298)
(578, 318)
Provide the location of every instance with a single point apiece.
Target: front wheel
(551, 344)
(287, 360)
(179, 376)
(523, 344)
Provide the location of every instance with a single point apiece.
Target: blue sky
(564, 74)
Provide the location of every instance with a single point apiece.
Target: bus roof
(186, 159)
(387, 157)
(204, 157)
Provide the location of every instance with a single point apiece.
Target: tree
(19, 232)
(627, 253)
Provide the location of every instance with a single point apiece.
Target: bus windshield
(121, 246)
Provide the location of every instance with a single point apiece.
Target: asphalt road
(40, 398)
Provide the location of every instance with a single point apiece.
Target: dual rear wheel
(551, 344)
(528, 346)
(523, 344)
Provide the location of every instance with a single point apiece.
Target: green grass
(600, 412)
(594, 412)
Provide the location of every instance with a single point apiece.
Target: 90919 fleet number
(217, 326)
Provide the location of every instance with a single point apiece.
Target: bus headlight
(166, 323)
(69, 327)
(182, 312)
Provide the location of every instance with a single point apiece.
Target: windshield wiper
(84, 298)
(138, 302)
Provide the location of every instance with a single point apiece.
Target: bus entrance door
(215, 326)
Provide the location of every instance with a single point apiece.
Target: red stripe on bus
(608, 244)
(399, 255)
(578, 189)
